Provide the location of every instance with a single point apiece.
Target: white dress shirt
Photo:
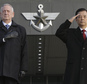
(6, 23)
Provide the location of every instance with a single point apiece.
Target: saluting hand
(74, 17)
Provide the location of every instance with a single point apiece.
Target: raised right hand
(74, 17)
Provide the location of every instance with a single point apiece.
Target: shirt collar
(6, 23)
(84, 29)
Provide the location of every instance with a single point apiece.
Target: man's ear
(0, 14)
(76, 19)
(13, 15)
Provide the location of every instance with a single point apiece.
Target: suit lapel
(2, 26)
(79, 36)
(5, 29)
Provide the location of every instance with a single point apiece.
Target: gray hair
(7, 5)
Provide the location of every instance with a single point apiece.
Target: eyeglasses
(85, 16)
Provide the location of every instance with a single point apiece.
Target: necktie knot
(7, 26)
(83, 30)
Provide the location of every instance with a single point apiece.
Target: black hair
(80, 9)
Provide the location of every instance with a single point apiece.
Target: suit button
(81, 68)
(83, 48)
(82, 57)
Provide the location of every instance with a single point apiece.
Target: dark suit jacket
(13, 52)
(76, 64)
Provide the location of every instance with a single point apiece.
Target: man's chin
(83, 24)
(6, 19)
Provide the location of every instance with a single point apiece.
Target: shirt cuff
(3, 39)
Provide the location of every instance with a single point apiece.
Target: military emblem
(40, 20)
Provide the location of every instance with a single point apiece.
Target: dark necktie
(84, 35)
(7, 26)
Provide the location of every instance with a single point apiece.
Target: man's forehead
(82, 12)
(6, 7)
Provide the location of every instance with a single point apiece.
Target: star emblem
(41, 19)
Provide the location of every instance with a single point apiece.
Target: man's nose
(6, 12)
(82, 17)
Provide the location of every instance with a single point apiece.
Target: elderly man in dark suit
(76, 42)
(13, 50)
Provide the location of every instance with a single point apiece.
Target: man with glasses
(76, 42)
